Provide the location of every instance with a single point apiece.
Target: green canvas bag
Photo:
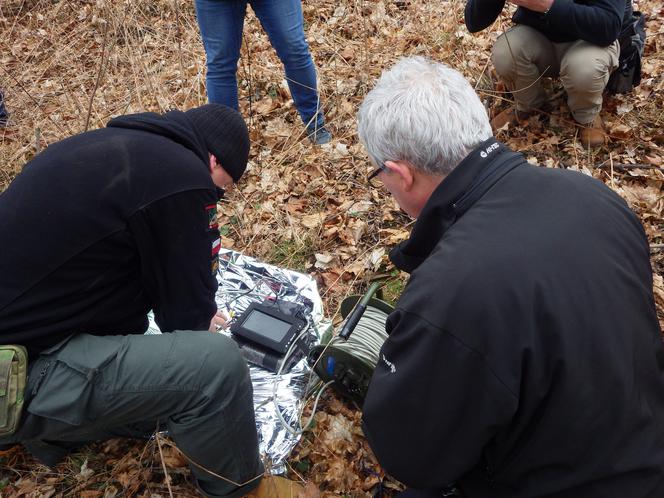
(13, 374)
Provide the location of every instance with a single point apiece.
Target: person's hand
(534, 5)
(219, 321)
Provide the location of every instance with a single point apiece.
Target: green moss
(294, 254)
(393, 286)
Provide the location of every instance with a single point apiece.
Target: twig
(102, 65)
(167, 477)
(479, 78)
(625, 167)
(247, 48)
(613, 183)
(179, 37)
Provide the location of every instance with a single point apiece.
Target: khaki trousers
(522, 56)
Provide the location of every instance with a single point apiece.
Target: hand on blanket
(219, 321)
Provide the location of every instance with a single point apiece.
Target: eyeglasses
(375, 173)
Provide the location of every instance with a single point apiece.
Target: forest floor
(69, 66)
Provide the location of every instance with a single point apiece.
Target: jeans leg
(196, 383)
(221, 23)
(284, 25)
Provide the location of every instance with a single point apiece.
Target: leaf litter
(67, 63)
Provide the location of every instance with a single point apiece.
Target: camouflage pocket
(13, 372)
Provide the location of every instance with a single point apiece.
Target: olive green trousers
(194, 384)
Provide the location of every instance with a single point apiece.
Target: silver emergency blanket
(243, 280)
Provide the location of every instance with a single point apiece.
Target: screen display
(266, 326)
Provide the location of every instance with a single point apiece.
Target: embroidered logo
(393, 368)
(485, 153)
(211, 211)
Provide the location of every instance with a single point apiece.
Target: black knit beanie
(225, 134)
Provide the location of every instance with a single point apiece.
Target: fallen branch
(626, 167)
(618, 167)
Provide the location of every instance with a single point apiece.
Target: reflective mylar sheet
(243, 280)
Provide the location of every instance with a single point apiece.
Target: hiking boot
(51, 453)
(593, 134)
(318, 135)
(280, 487)
(512, 116)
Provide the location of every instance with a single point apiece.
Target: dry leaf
(313, 220)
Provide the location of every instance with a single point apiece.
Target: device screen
(266, 325)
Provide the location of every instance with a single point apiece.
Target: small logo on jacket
(393, 369)
(489, 150)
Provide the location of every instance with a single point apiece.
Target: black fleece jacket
(524, 356)
(102, 227)
(600, 22)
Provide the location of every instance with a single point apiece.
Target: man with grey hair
(524, 355)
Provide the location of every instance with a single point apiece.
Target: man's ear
(212, 163)
(404, 171)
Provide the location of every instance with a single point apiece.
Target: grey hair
(423, 112)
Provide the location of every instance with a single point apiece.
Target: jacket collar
(464, 185)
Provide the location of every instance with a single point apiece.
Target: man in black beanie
(98, 230)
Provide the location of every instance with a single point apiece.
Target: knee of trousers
(503, 56)
(224, 371)
(581, 74)
(222, 63)
(295, 56)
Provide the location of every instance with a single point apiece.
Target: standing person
(524, 356)
(221, 24)
(576, 40)
(96, 231)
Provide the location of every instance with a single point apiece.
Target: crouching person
(98, 230)
(524, 356)
(576, 40)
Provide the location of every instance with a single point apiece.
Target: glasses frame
(375, 173)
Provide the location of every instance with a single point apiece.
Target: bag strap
(6, 358)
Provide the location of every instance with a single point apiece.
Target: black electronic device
(265, 332)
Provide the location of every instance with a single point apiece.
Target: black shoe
(318, 135)
(51, 453)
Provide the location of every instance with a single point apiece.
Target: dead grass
(71, 65)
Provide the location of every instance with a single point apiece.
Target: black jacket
(106, 225)
(600, 22)
(524, 356)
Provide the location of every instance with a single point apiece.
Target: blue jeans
(221, 23)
